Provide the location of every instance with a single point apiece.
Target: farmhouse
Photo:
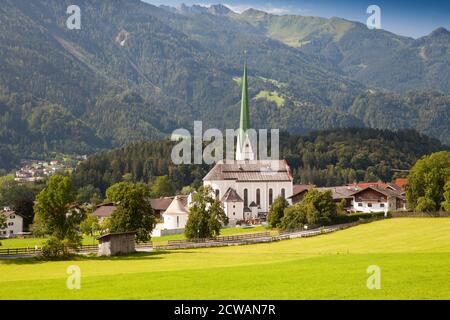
(245, 185)
(375, 199)
(14, 224)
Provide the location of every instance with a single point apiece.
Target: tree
(89, 194)
(294, 217)
(187, 190)
(134, 212)
(90, 225)
(163, 187)
(11, 191)
(316, 208)
(425, 204)
(59, 215)
(446, 203)
(37, 228)
(427, 179)
(276, 211)
(206, 215)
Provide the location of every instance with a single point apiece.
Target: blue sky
(414, 18)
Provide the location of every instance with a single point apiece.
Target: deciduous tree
(276, 211)
(59, 215)
(206, 215)
(134, 212)
(426, 182)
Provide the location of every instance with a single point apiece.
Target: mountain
(136, 71)
(376, 58)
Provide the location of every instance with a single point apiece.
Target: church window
(283, 193)
(245, 198)
(217, 193)
(270, 197)
(258, 197)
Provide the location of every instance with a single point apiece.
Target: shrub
(276, 212)
(54, 248)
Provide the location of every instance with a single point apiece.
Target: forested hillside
(136, 72)
(324, 158)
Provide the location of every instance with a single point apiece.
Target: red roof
(401, 182)
(364, 185)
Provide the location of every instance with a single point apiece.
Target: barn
(114, 244)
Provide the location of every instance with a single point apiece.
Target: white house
(248, 186)
(14, 224)
(375, 199)
(176, 215)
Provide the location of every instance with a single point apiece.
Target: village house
(376, 199)
(14, 224)
(299, 191)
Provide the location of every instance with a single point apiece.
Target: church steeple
(244, 150)
(244, 124)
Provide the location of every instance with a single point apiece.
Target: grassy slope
(413, 255)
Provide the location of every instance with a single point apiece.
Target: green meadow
(413, 255)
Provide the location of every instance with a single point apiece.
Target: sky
(413, 18)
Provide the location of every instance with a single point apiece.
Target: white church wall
(223, 185)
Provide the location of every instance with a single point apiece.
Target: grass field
(413, 254)
(31, 242)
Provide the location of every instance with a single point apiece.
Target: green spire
(245, 118)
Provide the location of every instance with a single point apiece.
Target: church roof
(250, 170)
(231, 196)
(176, 207)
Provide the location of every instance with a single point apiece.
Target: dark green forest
(324, 158)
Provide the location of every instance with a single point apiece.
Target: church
(246, 185)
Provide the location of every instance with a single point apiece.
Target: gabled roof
(176, 207)
(340, 192)
(8, 213)
(250, 170)
(104, 210)
(300, 188)
(386, 192)
(161, 204)
(231, 196)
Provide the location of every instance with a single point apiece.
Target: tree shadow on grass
(92, 257)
